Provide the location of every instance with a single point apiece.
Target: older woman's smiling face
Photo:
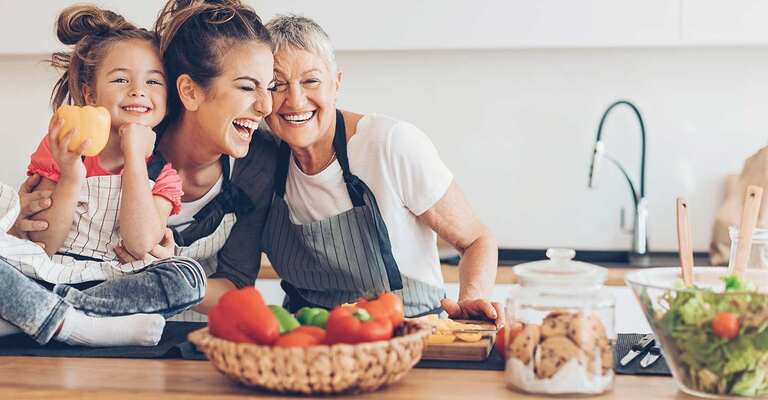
(304, 100)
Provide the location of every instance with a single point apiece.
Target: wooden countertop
(94, 378)
(451, 274)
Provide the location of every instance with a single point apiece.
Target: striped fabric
(94, 234)
(337, 260)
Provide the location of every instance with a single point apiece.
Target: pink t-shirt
(167, 185)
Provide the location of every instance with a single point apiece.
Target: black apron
(339, 259)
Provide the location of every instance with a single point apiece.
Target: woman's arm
(216, 288)
(32, 200)
(142, 216)
(454, 221)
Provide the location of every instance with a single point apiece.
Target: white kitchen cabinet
(461, 24)
(717, 22)
(27, 27)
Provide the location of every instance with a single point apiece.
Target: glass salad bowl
(713, 335)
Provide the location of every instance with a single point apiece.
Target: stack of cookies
(564, 336)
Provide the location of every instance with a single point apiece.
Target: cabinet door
(29, 27)
(717, 22)
(461, 24)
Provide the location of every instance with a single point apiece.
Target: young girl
(122, 197)
(99, 201)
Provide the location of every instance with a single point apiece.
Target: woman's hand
(137, 140)
(70, 163)
(475, 309)
(31, 201)
(164, 249)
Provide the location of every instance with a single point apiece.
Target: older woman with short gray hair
(361, 199)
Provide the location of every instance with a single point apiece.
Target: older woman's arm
(454, 221)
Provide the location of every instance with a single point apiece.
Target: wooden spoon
(684, 246)
(749, 213)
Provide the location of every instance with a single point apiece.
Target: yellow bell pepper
(89, 123)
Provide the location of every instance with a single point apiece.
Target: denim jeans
(166, 287)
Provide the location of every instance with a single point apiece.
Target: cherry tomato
(725, 325)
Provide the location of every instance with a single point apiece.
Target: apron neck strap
(340, 146)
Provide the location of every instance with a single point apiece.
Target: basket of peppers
(352, 348)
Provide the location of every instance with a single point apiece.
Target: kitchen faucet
(640, 228)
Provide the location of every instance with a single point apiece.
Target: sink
(611, 258)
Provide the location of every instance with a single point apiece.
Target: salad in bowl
(714, 334)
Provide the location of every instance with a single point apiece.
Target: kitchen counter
(91, 378)
(504, 274)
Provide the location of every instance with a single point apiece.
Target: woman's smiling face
(238, 99)
(304, 97)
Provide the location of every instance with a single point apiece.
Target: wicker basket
(340, 368)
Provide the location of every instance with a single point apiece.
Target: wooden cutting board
(463, 351)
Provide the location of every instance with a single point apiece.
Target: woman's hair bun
(79, 21)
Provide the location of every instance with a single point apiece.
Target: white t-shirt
(401, 166)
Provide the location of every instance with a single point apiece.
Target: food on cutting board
(242, 316)
(88, 123)
(567, 352)
(445, 330)
(717, 338)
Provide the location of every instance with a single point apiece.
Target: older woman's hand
(32, 202)
(475, 309)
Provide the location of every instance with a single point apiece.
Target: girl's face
(130, 83)
(305, 97)
(237, 100)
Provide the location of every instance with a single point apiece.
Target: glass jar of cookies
(560, 327)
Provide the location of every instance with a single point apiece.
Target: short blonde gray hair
(301, 33)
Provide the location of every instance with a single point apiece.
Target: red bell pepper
(353, 325)
(387, 305)
(242, 316)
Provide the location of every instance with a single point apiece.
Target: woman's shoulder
(389, 134)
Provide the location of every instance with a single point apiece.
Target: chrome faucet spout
(640, 228)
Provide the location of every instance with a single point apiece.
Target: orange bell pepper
(353, 325)
(387, 305)
(298, 338)
(89, 123)
(242, 316)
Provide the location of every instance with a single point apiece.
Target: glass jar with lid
(758, 252)
(561, 330)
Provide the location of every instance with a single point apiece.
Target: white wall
(516, 127)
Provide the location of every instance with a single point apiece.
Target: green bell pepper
(286, 320)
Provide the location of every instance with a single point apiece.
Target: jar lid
(560, 270)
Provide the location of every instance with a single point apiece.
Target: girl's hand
(70, 163)
(475, 309)
(137, 140)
